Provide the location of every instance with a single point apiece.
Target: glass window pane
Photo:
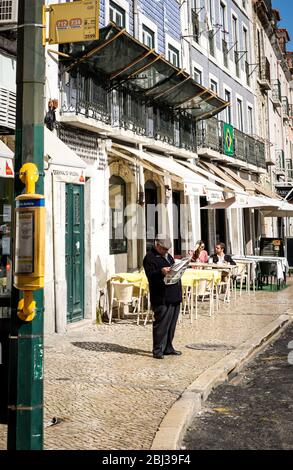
(117, 203)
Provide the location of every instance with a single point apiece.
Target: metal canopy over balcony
(122, 60)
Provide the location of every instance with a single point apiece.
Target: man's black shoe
(158, 356)
(174, 353)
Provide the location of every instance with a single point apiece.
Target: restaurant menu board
(24, 243)
(271, 247)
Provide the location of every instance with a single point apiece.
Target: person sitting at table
(219, 257)
(200, 255)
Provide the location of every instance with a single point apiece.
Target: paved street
(254, 410)
(107, 391)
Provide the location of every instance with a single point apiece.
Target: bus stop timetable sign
(74, 21)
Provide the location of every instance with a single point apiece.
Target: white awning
(6, 161)
(225, 184)
(246, 201)
(194, 184)
(59, 153)
(285, 209)
(64, 163)
(5, 151)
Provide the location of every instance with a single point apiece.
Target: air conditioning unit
(8, 11)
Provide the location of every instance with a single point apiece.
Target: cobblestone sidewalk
(107, 391)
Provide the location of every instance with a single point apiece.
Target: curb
(173, 426)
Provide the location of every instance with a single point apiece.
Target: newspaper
(177, 270)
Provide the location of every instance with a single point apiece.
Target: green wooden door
(74, 252)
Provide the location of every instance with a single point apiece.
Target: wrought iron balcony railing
(280, 161)
(276, 93)
(246, 148)
(265, 74)
(125, 109)
(285, 107)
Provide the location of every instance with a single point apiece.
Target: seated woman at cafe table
(200, 255)
(219, 257)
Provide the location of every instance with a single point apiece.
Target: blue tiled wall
(164, 13)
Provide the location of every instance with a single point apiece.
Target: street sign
(228, 139)
(74, 21)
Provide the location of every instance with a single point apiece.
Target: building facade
(155, 127)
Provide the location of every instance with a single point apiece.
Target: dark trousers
(164, 327)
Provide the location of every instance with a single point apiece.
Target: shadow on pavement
(109, 347)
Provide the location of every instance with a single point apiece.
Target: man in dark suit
(165, 299)
(220, 257)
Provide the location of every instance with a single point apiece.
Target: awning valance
(246, 201)
(194, 184)
(224, 184)
(123, 60)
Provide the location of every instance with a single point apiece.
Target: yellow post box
(29, 254)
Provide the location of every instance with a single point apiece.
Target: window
(211, 34)
(227, 111)
(195, 10)
(148, 37)
(117, 219)
(197, 75)
(173, 55)
(224, 32)
(214, 86)
(239, 115)
(117, 15)
(223, 19)
(250, 120)
(235, 44)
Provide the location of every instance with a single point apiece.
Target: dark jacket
(227, 258)
(160, 293)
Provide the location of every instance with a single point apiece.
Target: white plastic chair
(240, 275)
(122, 293)
(199, 288)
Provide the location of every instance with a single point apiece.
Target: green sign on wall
(228, 137)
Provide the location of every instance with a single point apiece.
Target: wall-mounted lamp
(140, 198)
(168, 192)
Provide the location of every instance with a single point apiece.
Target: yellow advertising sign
(74, 21)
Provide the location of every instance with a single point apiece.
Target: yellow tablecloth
(191, 276)
(139, 279)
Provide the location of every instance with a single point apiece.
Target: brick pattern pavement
(107, 391)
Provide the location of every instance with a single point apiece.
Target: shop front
(6, 211)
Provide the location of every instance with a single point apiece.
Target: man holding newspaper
(165, 294)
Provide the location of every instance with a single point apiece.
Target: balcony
(126, 109)
(276, 94)
(291, 115)
(285, 108)
(280, 162)
(264, 78)
(246, 148)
